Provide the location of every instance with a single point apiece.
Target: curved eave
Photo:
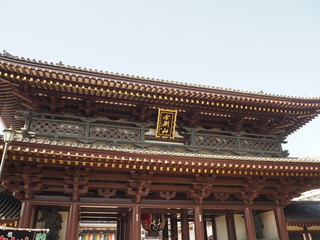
(65, 153)
(98, 78)
(42, 77)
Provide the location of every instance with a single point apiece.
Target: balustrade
(88, 130)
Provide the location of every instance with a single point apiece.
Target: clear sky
(273, 45)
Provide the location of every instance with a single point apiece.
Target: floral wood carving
(107, 193)
(199, 192)
(221, 196)
(76, 184)
(249, 194)
(137, 190)
(168, 195)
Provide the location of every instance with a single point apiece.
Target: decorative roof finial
(60, 64)
(6, 54)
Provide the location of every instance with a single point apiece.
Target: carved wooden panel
(57, 128)
(259, 145)
(216, 142)
(106, 132)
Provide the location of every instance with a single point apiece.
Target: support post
(73, 223)
(198, 223)
(135, 228)
(128, 223)
(231, 227)
(174, 226)
(25, 215)
(281, 223)
(214, 230)
(122, 228)
(205, 228)
(251, 232)
(165, 231)
(118, 229)
(185, 232)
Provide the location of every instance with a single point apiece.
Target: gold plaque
(166, 124)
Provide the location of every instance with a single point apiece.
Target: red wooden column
(73, 223)
(118, 229)
(213, 225)
(122, 228)
(281, 223)
(25, 215)
(185, 233)
(251, 232)
(135, 228)
(205, 228)
(165, 231)
(174, 226)
(198, 223)
(128, 224)
(231, 227)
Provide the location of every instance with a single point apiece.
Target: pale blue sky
(255, 45)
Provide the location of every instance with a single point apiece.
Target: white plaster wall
(270, 226)
(221, 227)
(240, 226)
(39, 224)
(63, 231)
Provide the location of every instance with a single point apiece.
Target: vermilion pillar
(205, 228)
(165, 231)
(281, 223)
(185, 233)
(73, 223)
(198, 223)
(214, 230)
(122, 228)
(174, 226)
(25, 215)
(135, 228)
(231, 227)
(251, 232)
(118, 229)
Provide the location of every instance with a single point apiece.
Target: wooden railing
(88, 130)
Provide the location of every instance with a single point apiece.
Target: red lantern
(153, 222)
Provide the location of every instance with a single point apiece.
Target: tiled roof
(62, 66)
(165, 152)
(298, 213)
(269, 113)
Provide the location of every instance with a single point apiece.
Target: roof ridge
(203, 86)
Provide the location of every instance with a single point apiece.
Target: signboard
(22, 234)
(166, 124)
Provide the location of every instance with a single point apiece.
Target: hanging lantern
(153, 222)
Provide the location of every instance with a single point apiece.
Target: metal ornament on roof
(153, 222)
(166, 124)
